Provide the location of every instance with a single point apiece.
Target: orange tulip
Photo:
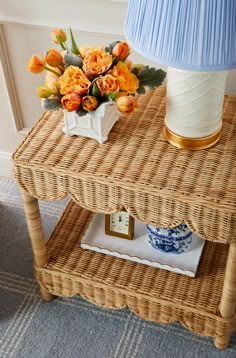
(89, 103)
(36, 64)
(127, 104)
(58, 35)
(121, 50)
(71, 101)
(53, 57)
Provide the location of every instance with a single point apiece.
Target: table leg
(36, 233)
(227, 305)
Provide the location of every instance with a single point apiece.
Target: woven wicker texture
(137, 169)
(153, 293)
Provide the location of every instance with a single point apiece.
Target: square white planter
(96, 124)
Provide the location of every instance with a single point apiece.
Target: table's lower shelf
(139, 250)
(152, 293)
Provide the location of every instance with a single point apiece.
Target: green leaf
(111, 46)
(95, 91)
(150, 77)
(74, 47)
(114, 61)
(52, 104)
(73, 60)
(140, 90)
(135, 71)
(112, 95)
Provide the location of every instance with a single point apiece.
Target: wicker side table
(138, 170)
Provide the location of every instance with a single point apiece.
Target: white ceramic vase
(95, 124)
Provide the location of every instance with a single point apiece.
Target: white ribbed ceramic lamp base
(194, 105)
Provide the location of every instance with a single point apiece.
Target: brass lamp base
(192, 143)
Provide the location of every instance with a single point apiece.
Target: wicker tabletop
(137, 169)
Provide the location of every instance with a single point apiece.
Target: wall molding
(27, 22)
(5, 164)
(10, 83)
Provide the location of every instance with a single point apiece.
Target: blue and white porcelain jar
(170, 240)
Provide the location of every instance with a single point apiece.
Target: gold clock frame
(108, 231)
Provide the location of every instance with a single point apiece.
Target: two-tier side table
(139, 170)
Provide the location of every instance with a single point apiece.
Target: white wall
(25, 28)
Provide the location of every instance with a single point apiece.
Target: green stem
(63, 45)
(49, 69)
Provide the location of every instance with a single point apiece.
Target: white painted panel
(90, 15)
(9, 137)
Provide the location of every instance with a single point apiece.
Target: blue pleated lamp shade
(196, 35)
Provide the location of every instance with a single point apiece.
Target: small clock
(120, 224)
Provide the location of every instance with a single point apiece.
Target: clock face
(119, 222)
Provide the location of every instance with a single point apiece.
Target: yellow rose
(127, 80)
(96, 63)
(73, 79)
(107, 85)
(71, 101)
(89, 103)
(127, 104)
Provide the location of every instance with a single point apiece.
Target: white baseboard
(5, 165)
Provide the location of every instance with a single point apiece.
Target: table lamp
(196, 40)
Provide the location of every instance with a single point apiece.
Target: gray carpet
(73, 328)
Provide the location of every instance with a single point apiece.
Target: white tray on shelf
(139, 249)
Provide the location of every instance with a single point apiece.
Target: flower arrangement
(80, 78)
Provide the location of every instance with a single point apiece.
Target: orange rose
(107, 85)
(58, 35)
(89, 103)
(85, 50)
(96, 63)
(73, 79)
(127, 80)
(53, 57)
(71, 101)
(121, 50)
(36, 64)
(127, 104)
